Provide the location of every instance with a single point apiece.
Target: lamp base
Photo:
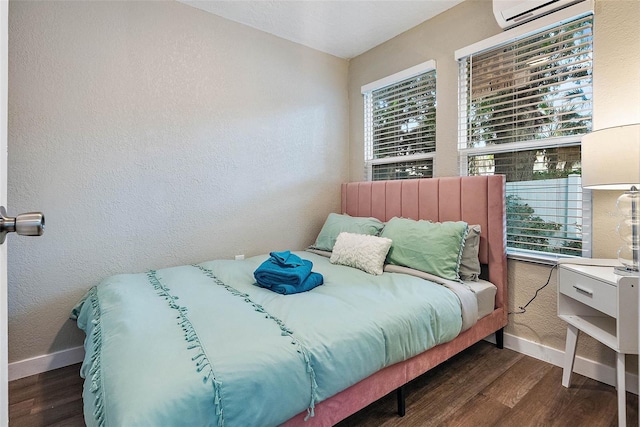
(626, 271)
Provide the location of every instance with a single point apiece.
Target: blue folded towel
(273, 272)
(313, 280)
(287, 273)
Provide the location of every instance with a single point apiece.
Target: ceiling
(344, 28)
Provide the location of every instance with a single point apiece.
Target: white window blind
(400, 125)
(524, 106)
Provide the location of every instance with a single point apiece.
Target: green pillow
(336, 224)
(433, 247)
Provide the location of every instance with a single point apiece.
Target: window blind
(544, 197)
(523, 108)
(400, 128)
(403, 170)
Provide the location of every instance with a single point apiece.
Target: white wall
(154, 134)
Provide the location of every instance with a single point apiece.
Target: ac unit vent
(510, 13)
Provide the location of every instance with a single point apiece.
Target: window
(400, 124)
(524, 106)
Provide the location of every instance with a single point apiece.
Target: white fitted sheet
(485, 295)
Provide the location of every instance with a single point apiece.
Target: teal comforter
(204, 346)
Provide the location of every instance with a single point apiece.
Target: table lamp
(611, 161)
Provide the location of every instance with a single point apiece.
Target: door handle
(26, 224)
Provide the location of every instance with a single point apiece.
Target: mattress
(485, 295)
(187, 345)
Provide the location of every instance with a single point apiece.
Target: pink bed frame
(476, 200)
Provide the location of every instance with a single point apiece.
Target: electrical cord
(523, 309)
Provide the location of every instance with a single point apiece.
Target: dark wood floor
(482, 386)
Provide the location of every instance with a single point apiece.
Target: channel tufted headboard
(475, 200)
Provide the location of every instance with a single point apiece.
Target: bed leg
(500, 338)
(401, 401)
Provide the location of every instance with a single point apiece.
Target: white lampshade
(611, 158)
(611, 161)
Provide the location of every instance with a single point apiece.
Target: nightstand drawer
(592, 292)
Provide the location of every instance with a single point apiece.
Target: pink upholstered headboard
(475, 200)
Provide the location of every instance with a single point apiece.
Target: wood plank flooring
(52, 398)
(483, 386)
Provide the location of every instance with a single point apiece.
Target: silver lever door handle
(26, 224)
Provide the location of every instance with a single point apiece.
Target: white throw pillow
(361, 251)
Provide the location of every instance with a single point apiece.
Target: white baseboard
(46, 362)
(589, 368)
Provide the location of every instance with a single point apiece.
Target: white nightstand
(595, 300)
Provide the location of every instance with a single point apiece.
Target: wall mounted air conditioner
(510, 13)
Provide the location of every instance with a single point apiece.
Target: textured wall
(616, 101)
(154, 134)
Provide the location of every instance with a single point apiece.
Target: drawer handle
(583, 290)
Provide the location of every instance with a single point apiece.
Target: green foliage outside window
(525, 230)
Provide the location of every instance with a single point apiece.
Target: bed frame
(476, 200)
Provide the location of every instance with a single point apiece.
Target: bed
(202, 345)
